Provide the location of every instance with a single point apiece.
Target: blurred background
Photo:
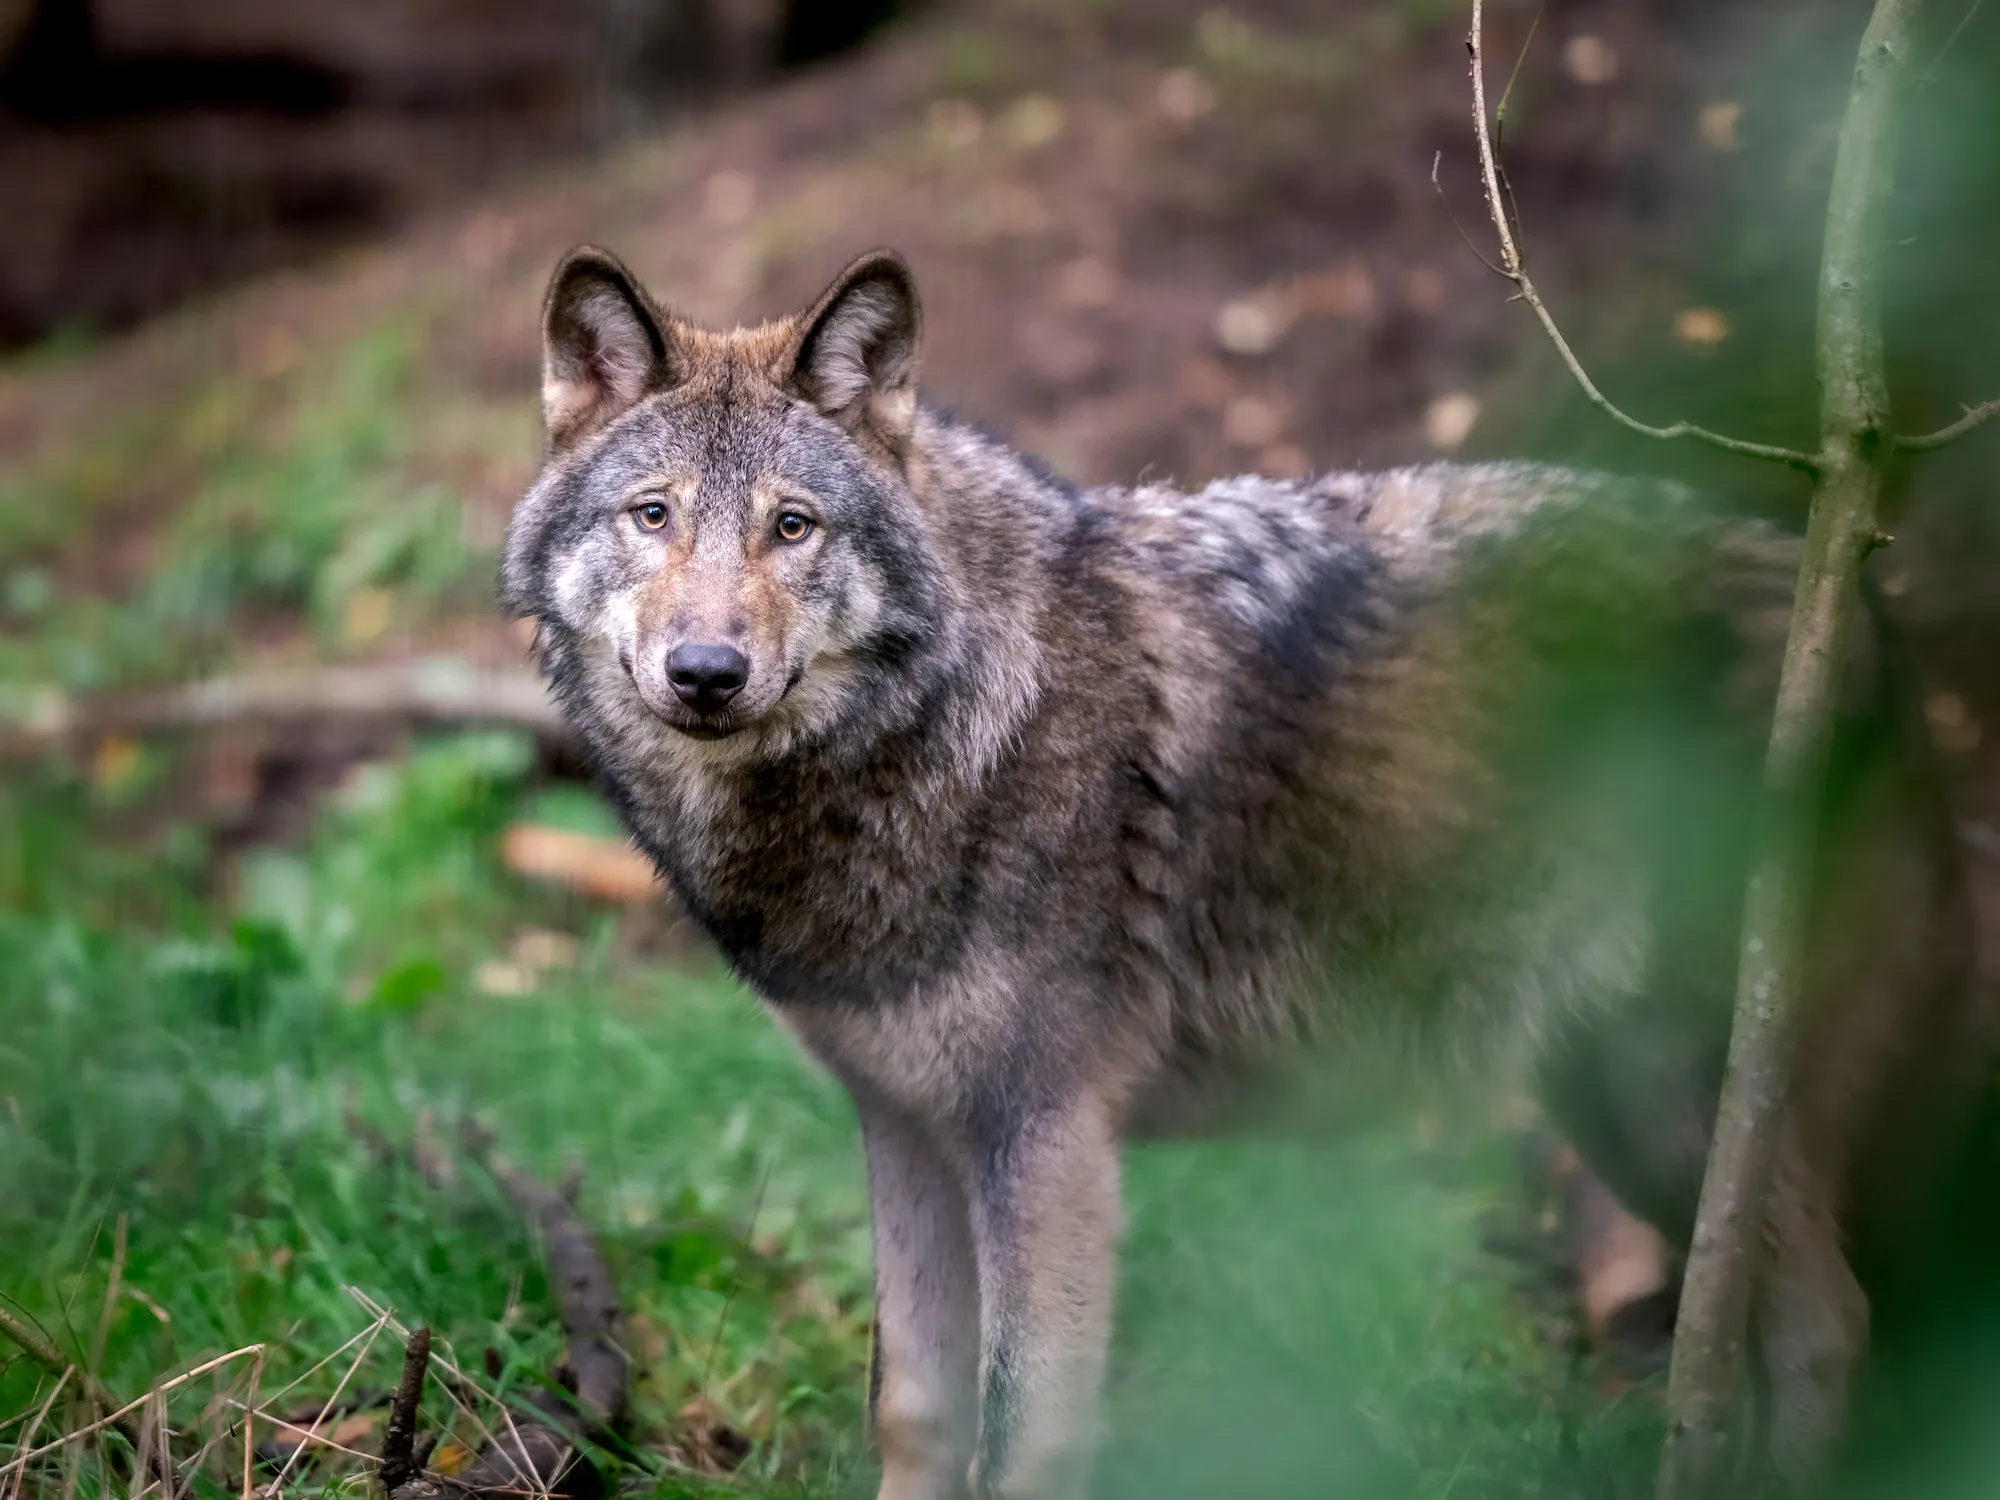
(298, 872)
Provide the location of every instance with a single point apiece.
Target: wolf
(1046, 817)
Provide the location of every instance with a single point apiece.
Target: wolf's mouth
(701, 731)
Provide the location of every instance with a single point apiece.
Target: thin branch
(1975, 416)
(1515, 271)
(1520, 61)
(1952, 40)
(1479, 255)
(439, 688)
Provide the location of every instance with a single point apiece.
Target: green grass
(187, 1036)
(283, 500)
(1290, 1314)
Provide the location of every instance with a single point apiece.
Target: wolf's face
(724, 516)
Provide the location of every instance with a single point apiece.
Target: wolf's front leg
(924, 1387)
(1045, 1217)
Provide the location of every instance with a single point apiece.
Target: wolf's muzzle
(706, 677)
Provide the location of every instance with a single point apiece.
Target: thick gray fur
(1047, 817)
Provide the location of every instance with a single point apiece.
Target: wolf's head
(723, 530)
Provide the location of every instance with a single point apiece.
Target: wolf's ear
(856, 354)
(604, 345)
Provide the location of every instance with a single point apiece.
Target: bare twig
(1952, 40)
(1520, 61)
(1513, 268)
(439, 688)
(1437, 162)
(399, 1436)
(1975, 416)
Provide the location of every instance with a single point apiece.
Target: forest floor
(1152, 238)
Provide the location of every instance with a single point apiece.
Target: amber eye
(652, 516)
(793, 527)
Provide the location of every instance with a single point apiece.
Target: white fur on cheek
(571, 588)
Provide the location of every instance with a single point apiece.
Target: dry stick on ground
(1706, 1385)
(44, 1352)
(585, 1294)
(399, 1436)
(440, 688)
(529, 1453)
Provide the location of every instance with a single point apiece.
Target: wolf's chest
(818, 902)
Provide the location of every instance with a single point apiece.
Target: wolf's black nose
(706, 677)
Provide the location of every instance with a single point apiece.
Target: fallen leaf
(1251, 422)
(1089, 281)
(954, 124)
(1204, 382)
(1184, 96)
(1032, 121)
(1255, 323)
(605, 868)
(1285, 461)
(1701, 326)
(1344, 292)
(1716, 124)
(1449, 420)
(539, 948)
(115, 763)
(1590, 60)
(504, 978)
(1953, 728)
(1424, 289)
(366, 614)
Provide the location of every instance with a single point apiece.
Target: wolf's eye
(652, 516)
(793, 527)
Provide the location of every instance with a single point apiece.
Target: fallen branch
(1514, 268)
(586, 1297)
(437, 688)
(43, 1351)
(540, 1453)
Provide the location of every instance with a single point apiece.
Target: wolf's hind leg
(1046, 1218)
(923, 1390)
(1812, 1322)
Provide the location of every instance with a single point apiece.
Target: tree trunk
(1708, 1384)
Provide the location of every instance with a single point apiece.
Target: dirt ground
(1182, 240)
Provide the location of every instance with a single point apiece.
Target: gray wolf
(1045, 817)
